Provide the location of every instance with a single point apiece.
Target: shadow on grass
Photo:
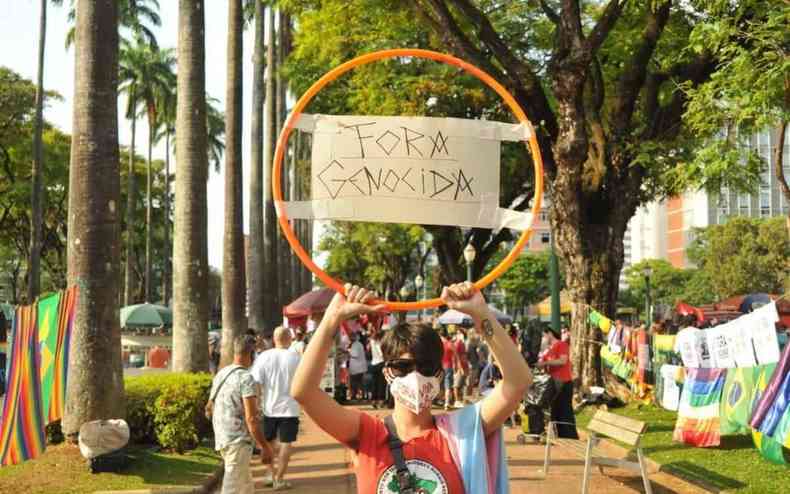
(158, 468)
(702, 476)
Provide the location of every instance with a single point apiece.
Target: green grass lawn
(62, 470)
(735, 466)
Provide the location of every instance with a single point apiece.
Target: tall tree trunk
(95, 384)
(293, 194)
(283, 249)
(131, 203)
(148, 218)
(36, 206)
(234, 322)
(273, 315)
(190, 246)
(255, 253)
(166, 244)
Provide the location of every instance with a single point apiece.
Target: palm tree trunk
(293, 194)
(95, 384)
(148, 212)
(272, 315)
(128, 294)
(166, 244)
(255, 255)
(284, 250)
(234, 322)
(190, 246)
(34, 264)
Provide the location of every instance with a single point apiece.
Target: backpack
(103, 444)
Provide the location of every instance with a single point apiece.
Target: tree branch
(553, 17)
(604, 25)
(633, 77)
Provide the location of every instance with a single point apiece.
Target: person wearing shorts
(448, 366)
(273, 370)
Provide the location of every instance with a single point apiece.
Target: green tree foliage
(742, 256)
(527, 280)
(667, 283)
(379, 255)
(750, 91)
(17, 109)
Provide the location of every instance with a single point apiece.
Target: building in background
(664, 230)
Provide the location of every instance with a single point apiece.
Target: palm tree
(190, 246)
(234, 322)
(95, 385)
(36, 206)
(132, 14)
(270, 270)
(215, 121)
(166, 130)
(255, 256)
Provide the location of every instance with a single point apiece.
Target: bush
(167, 409)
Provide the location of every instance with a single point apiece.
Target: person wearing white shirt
(357, 365)
(377, 368)
(274, 370)
(298, 344)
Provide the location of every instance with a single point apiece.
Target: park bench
(617, 427)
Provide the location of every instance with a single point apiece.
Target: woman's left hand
(464, 297)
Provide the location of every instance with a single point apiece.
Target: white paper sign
(670, 398)
(739, 339)
(420, 170)
(763, 325)
(720, 350)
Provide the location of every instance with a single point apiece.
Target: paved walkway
(320, 466)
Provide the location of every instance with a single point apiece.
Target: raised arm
(516, 377)
(339, 422)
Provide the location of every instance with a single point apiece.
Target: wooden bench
(617, 427)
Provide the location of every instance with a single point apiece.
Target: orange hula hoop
(363, 60)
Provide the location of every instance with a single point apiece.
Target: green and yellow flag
(48, 344)
(736, 399)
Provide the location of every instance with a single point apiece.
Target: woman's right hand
(354, 303)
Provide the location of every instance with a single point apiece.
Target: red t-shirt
(560, 372)
(448, 355)
(427, 456)
(460, 349)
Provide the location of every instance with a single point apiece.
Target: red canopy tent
(313, 302)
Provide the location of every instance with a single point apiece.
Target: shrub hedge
(167, 409)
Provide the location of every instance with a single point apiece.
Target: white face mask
(415, 391)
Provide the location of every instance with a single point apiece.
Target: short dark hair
(420, 340)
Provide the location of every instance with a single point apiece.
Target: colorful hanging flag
(698, 415)
(771, 393)
(66, 311)
(781, 400)
(769, 448)
(736, 399)
(48, 343)
(21, 424)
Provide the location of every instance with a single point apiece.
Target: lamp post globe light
(404, 292)
(469, 257)
(647, 271)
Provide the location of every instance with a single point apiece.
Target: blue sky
(19, 42)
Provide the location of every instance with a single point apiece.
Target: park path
(320, 466)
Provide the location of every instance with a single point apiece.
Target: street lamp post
(419, 282)
(647, 271)
(469, 257)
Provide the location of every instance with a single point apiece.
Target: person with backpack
(413, 450)
(233, 408)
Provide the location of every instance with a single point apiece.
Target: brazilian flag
(736, 399)
(770, 448)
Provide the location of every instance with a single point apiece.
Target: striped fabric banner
(21, 424)
(66, 311)
(698, 422)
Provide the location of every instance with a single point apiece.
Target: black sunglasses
(403, 366)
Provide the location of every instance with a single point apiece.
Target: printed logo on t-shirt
(426, 479)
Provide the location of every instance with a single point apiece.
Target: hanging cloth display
(698, 414)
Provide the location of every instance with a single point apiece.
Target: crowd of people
(478, 374)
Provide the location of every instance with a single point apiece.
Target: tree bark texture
(95, 384)
(255, 254)
(36, 179)
(283, 249)
(131, 190)
(234, 321)
(190, 243)
(273, 314)
(166, 255)
(293, 194)
(148, 208)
